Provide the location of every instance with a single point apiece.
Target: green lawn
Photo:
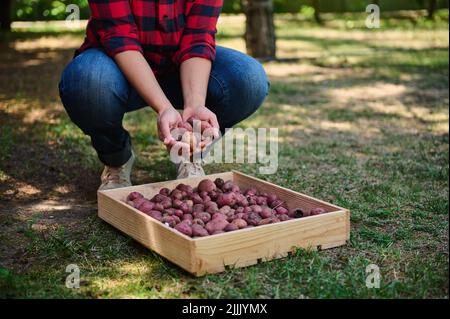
(363, 123)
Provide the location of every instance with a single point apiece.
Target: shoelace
(113, 175)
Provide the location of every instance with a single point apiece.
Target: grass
(367, 129)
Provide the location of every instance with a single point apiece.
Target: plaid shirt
(166, 32)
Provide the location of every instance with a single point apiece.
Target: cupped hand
(168, 120)
(202, 113)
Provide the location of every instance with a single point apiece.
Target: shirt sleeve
(198, 39)
(115, 27)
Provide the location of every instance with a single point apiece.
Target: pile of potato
(215, 207)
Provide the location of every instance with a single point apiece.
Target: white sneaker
(186, 170)
(117, 177)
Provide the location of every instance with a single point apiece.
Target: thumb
(165, 132)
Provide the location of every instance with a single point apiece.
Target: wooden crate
(238, 248)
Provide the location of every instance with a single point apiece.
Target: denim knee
(94, 91)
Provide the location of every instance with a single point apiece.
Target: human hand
(207, 118)
(168, 120)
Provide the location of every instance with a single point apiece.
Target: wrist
(163, 108)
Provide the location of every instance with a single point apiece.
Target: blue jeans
(96, 96)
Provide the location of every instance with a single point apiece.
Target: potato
(219, 216)
(266, 212)
(198, 208)
(184, 228)
(261, 200)
(227, 186)
(185, 208)
(206, 185)
(176, 203)
(251, 192)
(247, 209)
(185, 188)
(134, 195)
(196, 198)
(256, 209)
(176, 218)
(199, 222)
(199, 231)
(138, 201)
(189, 202)
(239, 222)
(239, 210)
(146, 206)
(204, 216)
(169, 221)
(271, 198)
(231, 227)
(239, 216)
(179, 213)
(225, 209)
(187, 217)
(206, 198)
(213, 195)
(298, 213)
(277, 203)
(219, 182)
(158, 198)
(190, 139)
(166, 203)
(155, 214)
(176, 194)
(283, 217)
(281, 210)
(216, 224)
(226, 199)
(251, 200)
(159, 206)
(235, 189)
(317, 211)
(164, 191)
(253, 219)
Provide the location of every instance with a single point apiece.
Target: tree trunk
(260, 29)
(5, 15)
(315, 4)
(431, 9)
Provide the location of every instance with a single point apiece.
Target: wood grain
(241, 248)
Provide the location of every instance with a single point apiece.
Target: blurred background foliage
(31, 10)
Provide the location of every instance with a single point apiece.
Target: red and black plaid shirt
(167, 32)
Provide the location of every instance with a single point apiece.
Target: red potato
(187, 217)
(189, 202)
(204, 216)
(251, 192)
(185, 188)
(219, 216)
(198, 208)
(218, 232)
(247, 209)
(253, 219)
(299, 213)
(281, 210)
(219, 183)
(251, 200)
(176, 203)
(277, 203)
(176, 194)
(199, 222)
(239, 210)
(261, 200)
(159, 206)
(167, 203)
(184, 228)
(266, 212)
(134, 195)
(169, 211)
(138, 201)
(283, 217)
(179, 213)
(239, 216)
(226, 199)
(169, 221)
(240, 223)
(206, 185)
(256, 209)
(225, 209)
(199, 231)
(227, 186)
(146, 206)
(155, 214)
(317, 211)
(213, 195)
(266, 221)
(206, 198)
(231, 227)
(196, 198)
(271, 198)
(185, 208)
(164, 191)
(217, 224)
(158, 198)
